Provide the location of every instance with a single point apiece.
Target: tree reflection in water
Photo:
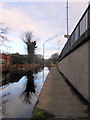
(30, 87)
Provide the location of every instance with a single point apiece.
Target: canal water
(17, 99)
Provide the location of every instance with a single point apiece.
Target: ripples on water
(17, 99)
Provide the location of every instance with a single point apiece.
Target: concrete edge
(35, 106)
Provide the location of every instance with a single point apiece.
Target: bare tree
(3, 32)
(28, 39)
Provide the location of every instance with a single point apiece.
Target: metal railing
(79, 30)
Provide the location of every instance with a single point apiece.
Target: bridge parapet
(74, 61)
(79, 34)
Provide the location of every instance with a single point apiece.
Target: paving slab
(58, 98)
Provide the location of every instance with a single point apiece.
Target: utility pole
(58, 46)
(67, 17)
(67, 13)
(44, 46)
(43, 54)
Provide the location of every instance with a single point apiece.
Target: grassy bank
(41, 114)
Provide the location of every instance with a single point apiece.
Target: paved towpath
(57, 97)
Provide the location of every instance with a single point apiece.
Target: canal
(18, 98)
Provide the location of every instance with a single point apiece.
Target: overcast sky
(45, 19)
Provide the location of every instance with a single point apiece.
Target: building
(4, 62)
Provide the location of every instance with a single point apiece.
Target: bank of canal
(16, 100)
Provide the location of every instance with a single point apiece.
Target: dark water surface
(17, 99)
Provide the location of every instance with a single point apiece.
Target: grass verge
(39, 114)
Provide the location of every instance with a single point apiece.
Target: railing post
(78, 30)
(89, 15)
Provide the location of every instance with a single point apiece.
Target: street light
(43, 54)
(58, 46)
(44, 45)
(67, 12)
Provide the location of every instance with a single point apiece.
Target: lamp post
(58, 46)
(44, 46)
(67, 13)
(43, 54)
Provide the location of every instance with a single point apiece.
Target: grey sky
(45, 19)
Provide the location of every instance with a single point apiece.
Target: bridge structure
(74, 60)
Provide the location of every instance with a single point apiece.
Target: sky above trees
(44, 19)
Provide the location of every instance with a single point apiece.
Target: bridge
(74, 60)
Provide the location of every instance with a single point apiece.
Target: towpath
(58, 98)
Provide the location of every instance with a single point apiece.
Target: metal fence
(79, 30)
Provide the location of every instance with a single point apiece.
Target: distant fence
(82, 26)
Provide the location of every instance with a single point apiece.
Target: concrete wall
(89, 69)
(76, 67)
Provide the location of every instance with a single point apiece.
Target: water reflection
(15, 76)
(30, 87)
(11, 77)
(20, 96)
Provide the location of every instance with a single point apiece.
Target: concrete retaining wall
(76, 67)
